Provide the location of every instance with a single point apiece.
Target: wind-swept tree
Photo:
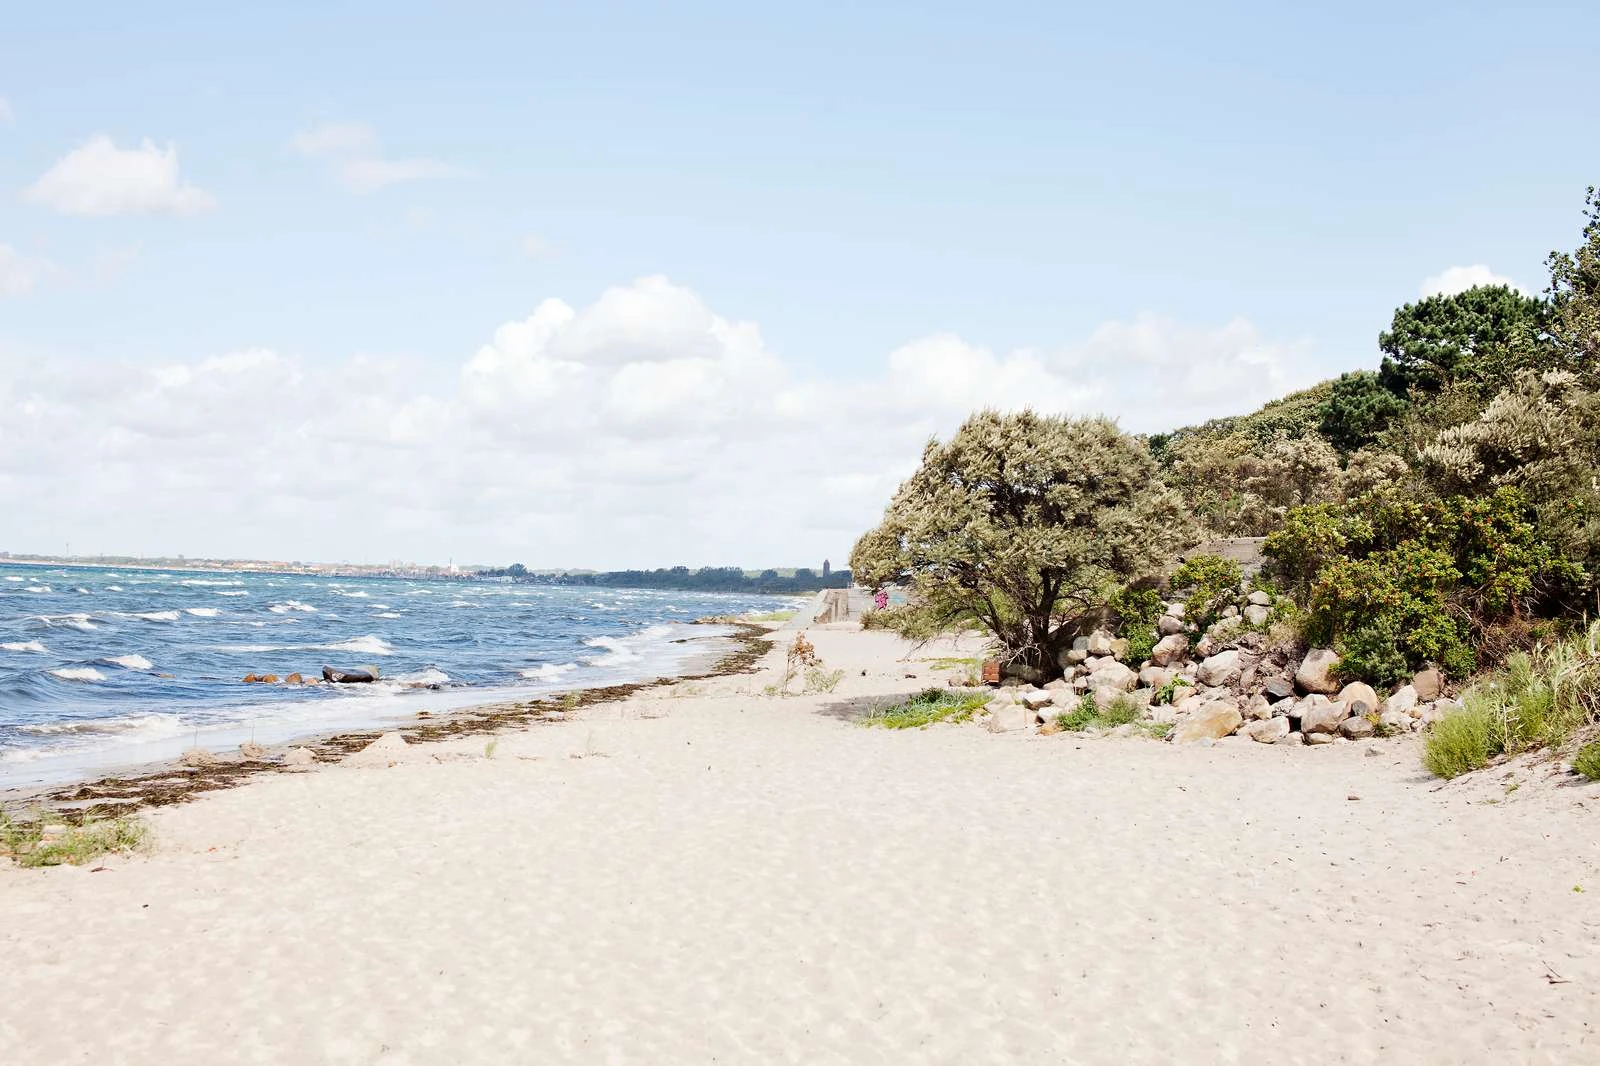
(1024, 524)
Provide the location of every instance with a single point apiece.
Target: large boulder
(1099, 643)
(1403, 701)
(1316, 671)
(1258, 707)
(1110, 673)
(1360, 696)
(1156, 676)
(1429, 684)
(1257, 615)
(1219, 669)
(1169, 649)
(1213, 721)
(1010, 719)
(1358, 728)
(1322, 718)
(1033, 698)
(1260, 599)
(1268, 730)
(1279, 688)
(1169, 624)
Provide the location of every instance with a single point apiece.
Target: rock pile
(1226, 682)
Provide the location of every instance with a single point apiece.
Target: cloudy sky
(626, 284)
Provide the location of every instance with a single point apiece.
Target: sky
(610, 285)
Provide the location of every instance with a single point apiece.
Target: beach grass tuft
(928, 706)
(818, 680)
(47, 840)
(1587, 760)
(1088, 714)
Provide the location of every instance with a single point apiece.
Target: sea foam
(132, 662)
(24, 645)
(78, 673)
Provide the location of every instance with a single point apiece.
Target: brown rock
(1210, 722)
(1268, 730)
(1316, 671)
(294, 679)
(1318, 718)
(1357, 728)
(1428, 683)
(1358, 693)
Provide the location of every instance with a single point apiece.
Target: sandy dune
(713, 875)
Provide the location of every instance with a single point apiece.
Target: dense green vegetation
(926, 707)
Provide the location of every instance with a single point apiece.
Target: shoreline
(130, 788)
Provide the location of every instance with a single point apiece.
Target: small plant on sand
(1154, 730)
(1166, 692)
(1090, 715)
(491, 747)
(926, 707)
(48, 840)
(1587, 761)
(819, 680)
(1079, 717)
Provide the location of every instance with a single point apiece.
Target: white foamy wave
(38, 588)
(78, 673)
(158, 616)
(616, 652)
(205, 583)
(202, 612)
(549, 671)
(68, 621)
(292, 605)
(82, 590)
(25, 645)
(14, 577)
(253, 649)
(152, 724)
(430, 677)
(132, 662)
(367, 645)
(357, 595)
(387, 614)
(413, 592)
(233, 592)
(113, 588)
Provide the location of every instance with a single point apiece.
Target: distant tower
(827, 568)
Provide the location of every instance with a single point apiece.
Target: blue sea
(104, 667)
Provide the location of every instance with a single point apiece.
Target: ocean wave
(233, 592)
(207, 583)
(292, 605)
(387, 614)
(67, 621)
(131, 662)
(14, 577)
(38, 588)
(153, 724)
(82, 590)
(428, 677)
(25, 645)
(356, 595)
(548, 672)
(202, 612)
(367, 645)
(78, 673)
(113, 588)
(158, 616)
(617, 653)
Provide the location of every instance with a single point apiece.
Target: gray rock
(1099, 643)
(1109, 672)
(1169, 624)
(1169, 649)
(1260, 599)
(1429, 684)
(1206, 647)
(1357, 728)
(1403, 701)
(1322, 718)
(1210, 722)
(1058, 684)
(1296, 737)
(1156, 676)
(1279, 688)
(1219, 669)
(1316, 671)
(1284, 709)
(1257, 615)
(1258, 707)
(1230, 611)
(1268, 730)
(1393, 723)
(1010, 719)
(1177, 610)
(1033, 698)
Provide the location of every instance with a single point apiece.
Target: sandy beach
(706, 873)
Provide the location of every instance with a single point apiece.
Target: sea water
(104, 666)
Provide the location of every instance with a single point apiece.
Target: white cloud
(641, 429)
(98, 178)
(1461, 278)
(6, 114)
(16, 275)
(356, 158)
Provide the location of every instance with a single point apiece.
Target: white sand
(727, 877)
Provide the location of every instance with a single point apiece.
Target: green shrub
(29, 843)
(1122, 711)
(1212, 581)
(1587, 761)
(1090, 715)
(1137, 611)
(928, 706)
(1079, 718)
(1536, 699)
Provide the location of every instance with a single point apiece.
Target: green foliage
(818, 680)
(1088, 714)
(1213, 583)
(1575, 294)
(1357, 410)
(1396, 582)
(1021, 522)
(1166, 693)
(1137, 611)
(1475, 338)
(1535, 699)
(1587, 760)
(47, 840)
(928, 706)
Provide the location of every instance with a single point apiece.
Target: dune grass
(1587, 760)
(47, 840)
(926, 707)
(1088, 714)
(1537, 699)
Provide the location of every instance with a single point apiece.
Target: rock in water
(347, 677)
(1316, 672)
(1211, 722)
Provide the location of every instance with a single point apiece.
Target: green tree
(1023, 524)
(1479, 336)
(1575, 295)
(1357, 410)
